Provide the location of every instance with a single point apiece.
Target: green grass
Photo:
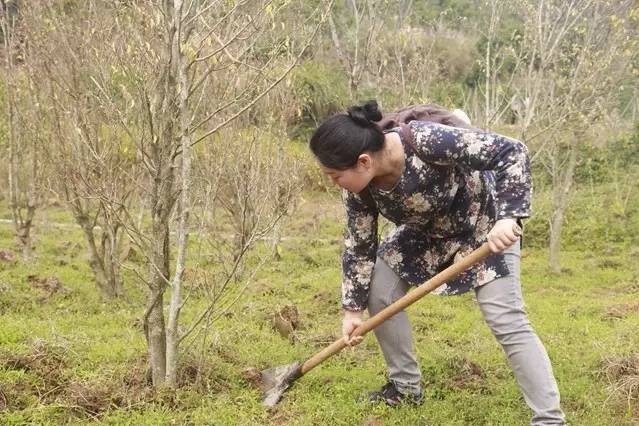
(468, 381)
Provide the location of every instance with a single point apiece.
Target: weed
(622, 375)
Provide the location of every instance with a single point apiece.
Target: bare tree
(132, 88)
(240, 196)
(497, 55)
(574, 62)
(403, 11)
(25, 172)
(191, 69)
(397, 61)
(354, 35)
(566, 64)
(94, 165)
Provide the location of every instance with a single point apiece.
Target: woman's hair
(341, 139)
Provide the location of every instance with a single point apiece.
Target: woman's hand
(504, 234)
(352, 320)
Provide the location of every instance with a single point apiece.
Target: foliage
(451, 11)
(603, 163)
(605, 210)
(318, 90)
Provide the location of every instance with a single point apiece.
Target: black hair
(341, 139)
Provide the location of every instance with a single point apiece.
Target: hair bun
(371, 109)
(364, 115)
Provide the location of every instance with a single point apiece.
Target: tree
(239, 197)
(25, 169)
(567, 62)
(94, 166)
(358, 29)
(190, 69)
(577, 58)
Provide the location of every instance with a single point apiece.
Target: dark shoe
(392, 397)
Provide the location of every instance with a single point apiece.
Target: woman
(448, 190)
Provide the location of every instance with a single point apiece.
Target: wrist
(353, 314)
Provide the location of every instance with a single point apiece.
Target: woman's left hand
(503, 235)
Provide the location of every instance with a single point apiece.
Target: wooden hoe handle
(401, 304)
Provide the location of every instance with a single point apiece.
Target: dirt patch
(45, 364)
(621, 310)
(609, 263)
(326, 301)
(622, 288)
(226, 354)
(7, 256)
(18, 396)
(466, 374)
(203, 375)
(132, 388)
(44, 360)
(253, 377)
(325, 296)
(320, 340)
(3, 401)
(48, 285)
(632, 286)
(372, 421)
(622, 375)
(49, 382)
(87, 399)
(137, 377)
(286, 321)
(280, 418)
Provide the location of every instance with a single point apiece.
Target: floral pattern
(456, 183)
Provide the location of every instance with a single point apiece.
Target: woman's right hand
(352, 320)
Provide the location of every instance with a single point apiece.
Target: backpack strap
(409, 137)
(407, 134)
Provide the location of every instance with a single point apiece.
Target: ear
(365, 161)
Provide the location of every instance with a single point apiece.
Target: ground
(68, 357)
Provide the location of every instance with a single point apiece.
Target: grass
(95, 349)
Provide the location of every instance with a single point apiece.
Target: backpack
(425, 112)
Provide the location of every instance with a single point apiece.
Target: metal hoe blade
(276, 380)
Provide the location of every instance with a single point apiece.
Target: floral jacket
(455, 184)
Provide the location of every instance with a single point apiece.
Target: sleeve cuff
(353, 308)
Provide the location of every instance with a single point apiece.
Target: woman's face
(354, 179)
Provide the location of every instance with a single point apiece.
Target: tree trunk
(561, 197)
(276, 241)
(109, 289)
(154, 325)
(25, 242)
(172, 330)
(111, 262)
(162, 200)
(21, 226)
(24, 233)
(156, 337)
(556, 225)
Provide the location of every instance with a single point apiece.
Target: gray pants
(502, 306)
